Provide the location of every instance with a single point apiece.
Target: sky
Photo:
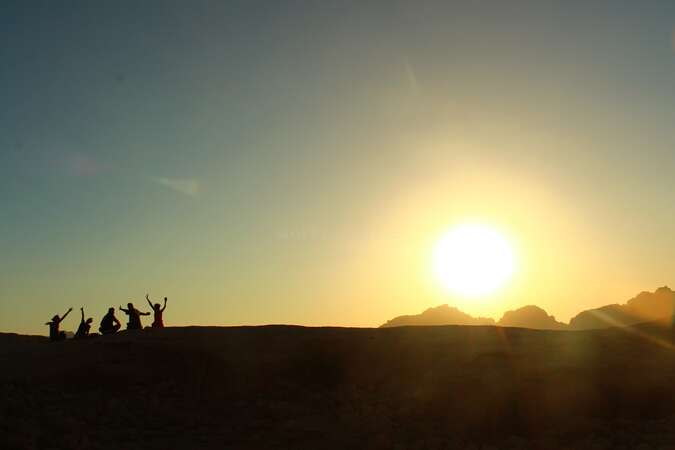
(295, 162)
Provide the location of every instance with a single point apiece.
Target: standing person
(85, 326)
(134, 317)
(109, 323)
(158, 322)
(54, 333)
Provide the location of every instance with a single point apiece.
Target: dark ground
(285, 387)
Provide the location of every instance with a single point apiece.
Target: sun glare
(473, 260)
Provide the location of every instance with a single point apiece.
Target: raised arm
(82, 311)
(164, 307)
(147, 297)
(125, 310)
(67, 312)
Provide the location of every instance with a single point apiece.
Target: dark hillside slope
(279, 387)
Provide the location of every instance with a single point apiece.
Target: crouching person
(109, 323)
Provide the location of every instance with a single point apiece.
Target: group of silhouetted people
(109, 323)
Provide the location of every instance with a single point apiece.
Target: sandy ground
(284, 387)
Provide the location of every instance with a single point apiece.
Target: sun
(473, 260)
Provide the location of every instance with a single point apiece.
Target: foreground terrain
(286, 387)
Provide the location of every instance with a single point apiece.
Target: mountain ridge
(657, 306)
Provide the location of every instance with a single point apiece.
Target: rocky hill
(440, 315)
(530, 317)
(525, 317)
(657, 306)
(645, 307)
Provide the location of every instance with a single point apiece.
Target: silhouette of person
(54, 333)
(158, 322)
(85, 326)
(134, 317)
(109, 323)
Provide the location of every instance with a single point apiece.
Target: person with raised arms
(158, 322)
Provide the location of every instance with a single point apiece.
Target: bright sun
(473, 260)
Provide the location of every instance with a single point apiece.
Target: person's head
(111, 310)
(130, 306)
(56, 318)
(157, 306)
(90, 320)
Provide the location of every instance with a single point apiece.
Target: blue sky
(274, 161)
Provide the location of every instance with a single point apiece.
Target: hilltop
(288, 387)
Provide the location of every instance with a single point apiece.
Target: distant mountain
(645, 307)
(530, 317)
(525, 317)
(440, 315)
(657, 306)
